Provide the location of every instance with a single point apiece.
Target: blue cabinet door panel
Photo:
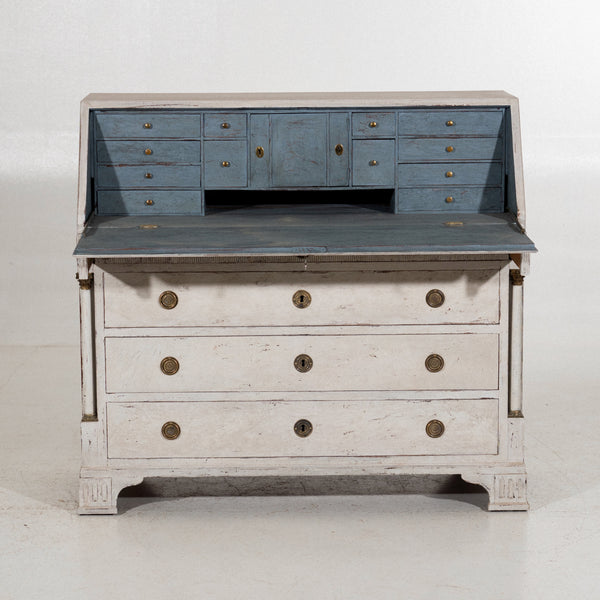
(146, 125)
(298, 150)
(148, 176)
(134, 152)
(447, 122)
(338, 153)
(450, 174)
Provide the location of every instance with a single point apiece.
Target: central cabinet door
(299, 151)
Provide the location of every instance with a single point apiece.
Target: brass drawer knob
(449, 173)
(301, 299)
(373, 163)
(147, 125)
(435, 298)
(303, 428)
(225, 163)
(168, 300)
(449, 148)
(260, 151)
(171, 430)
(303, 363)
(434, 363)
(148, 175)
(225, 125)
(373, 124)
(148, 151)
(149, 202)
(169, 365)
(339, 149)
(449, 123)
(449, 199)
(435, 428)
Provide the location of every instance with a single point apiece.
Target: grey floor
(319, 538)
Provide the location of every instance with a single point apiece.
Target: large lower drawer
(302, 363)
(330, 298)
(263, 429)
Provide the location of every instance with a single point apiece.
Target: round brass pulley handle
(435, 428)
(169, 365)
(168, 299)
(435, 298)
(171, 430)
(434, 363)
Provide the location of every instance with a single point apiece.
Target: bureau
(301, 284)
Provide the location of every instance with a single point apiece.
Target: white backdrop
(546, 53)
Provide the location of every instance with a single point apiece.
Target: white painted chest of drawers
(301, 285)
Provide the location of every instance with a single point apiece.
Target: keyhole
(303, 363)
(301, 299)
(303, 428)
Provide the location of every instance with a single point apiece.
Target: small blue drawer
(450, 199)
(450, 174)
(225, 125)
(447, 122)
(151, 202)
(373, 162)
(151, 151)
(148, 176)
(146, 125)
(374, 124)
(226, 164)
(446, 149)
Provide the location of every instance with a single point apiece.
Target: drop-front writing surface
(301, 284)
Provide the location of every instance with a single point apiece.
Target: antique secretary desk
(301, 284)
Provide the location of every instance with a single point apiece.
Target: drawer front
(226, 164)
(151, 151)
(148, 176)
(489, 174)
(448, 122)
(272, 363)
(267, 299)
(225, 125)
(149, 202)
(373, 162)
(373, 124)
(450, 199)
(147, 125)
(263, 429)
(444, 149)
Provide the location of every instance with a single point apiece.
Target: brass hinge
(515, 277)
(85, 284)
(515, 414)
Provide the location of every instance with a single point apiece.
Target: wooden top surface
(299, 100)
(302, 229)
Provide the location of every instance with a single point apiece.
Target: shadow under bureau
(301, 284)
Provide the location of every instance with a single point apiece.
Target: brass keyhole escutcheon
(435, 428)
(435, 298)
(171, 430)
(303, 363)
(339, 149)
(168, 299)
(169, 365)
(303, 428)
(148, 151)
(301, 299)
(434, 363)
(260, 151)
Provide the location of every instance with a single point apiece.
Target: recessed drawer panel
(148, 176)
(226, 164)
(373, 162)
(448, 122)
(374, 124)
(149, 202)
(146, 125)
(483, 174)
(300, 298)
(224, 125)
(444, 149)
(151, 151)
(263, 429)
(450, 199)
(302, 363)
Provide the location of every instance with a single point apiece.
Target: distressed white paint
(265, 429)
(516, 348)
(353, 362)
(265, 299)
